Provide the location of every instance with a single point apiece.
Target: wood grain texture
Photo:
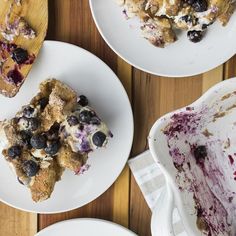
(212, 77)
(35, 13)
(230, 68)
(122, 185)
(71, 21)
(16, 223)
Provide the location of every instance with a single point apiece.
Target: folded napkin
(152, 182)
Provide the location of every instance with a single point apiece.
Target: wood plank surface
(16, 223)
(151, 97)
(230, 68)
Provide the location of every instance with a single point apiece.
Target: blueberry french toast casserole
(55, 131)
(161, 19)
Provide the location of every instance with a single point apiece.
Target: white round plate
(85, 227)
(179, 59)
(87, 75)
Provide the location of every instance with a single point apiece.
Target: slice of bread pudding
(55, 131)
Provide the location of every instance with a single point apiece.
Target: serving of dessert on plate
(161, 19)
(56, 130)
(19, 42)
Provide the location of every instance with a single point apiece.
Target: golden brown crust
(10, 131)
(61, 100)
(45, 180)
(227, 13)
(160, 17)
(71, 160)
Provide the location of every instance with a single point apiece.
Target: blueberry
(200, 5)
(95, 121)
(33, 124)
(20, 55)
(52, 133)
(186, 18)
(14, 76)
(81, 127)
(195, 36)
(52, 147)
(200, 153)
(14, 151)
(28, 111)
(85, 116)
(43, 102)
(72, 120)
(204, 26)
(25, 137)
(30, 168)
(38, 141)
(99, 138)
(85, 147)
(55, 127)
(83, 101)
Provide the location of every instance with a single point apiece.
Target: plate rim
(84, 219)
(198, 72)
(50, 42)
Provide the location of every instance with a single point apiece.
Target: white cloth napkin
(152, 182)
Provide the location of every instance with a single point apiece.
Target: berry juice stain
(14, 76)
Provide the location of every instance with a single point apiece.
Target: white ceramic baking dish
(211, 121)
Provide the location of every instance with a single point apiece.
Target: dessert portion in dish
(19, 45)
(56, 130)
(161, 18)
(204, 156)
(15, 26)
(13, 58)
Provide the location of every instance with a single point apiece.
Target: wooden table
(151, 97)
